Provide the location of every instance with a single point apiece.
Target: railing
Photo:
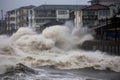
(45, 15)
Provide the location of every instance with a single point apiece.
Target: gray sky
(7, 5)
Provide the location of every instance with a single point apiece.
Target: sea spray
(34, 42)
(70, 26)
(82, 34)
(53, 47)
(60, 35)
(21, 32)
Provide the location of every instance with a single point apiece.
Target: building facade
(22, 16)
(11, 19)
(92, 15)
(18, 17)
(96, 15)
(40, 15)
(113, 4)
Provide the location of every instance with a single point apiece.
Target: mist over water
(56, 45)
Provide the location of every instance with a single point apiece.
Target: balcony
(45, 15)
(90, 17)
(13, 15)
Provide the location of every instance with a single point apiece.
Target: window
(89, 22)
(40, 20)
(12, 12)
(12, 25)
(24, 11)
(62, 12)
(104, 12)
(90, 13)
(12, 19)
(31, 12)
(62, 20)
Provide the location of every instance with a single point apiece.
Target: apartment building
(22, 15)
(92, 15)
(113, 4)
(40, 15)
(11, 19)
(95, 15)
(18, 17)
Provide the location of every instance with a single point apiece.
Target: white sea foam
(82, 34)
(53, 47)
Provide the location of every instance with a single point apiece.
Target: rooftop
(27, 7)
(96, 7)
(24, 7)
(59, 7)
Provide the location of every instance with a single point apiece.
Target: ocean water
(55, 46)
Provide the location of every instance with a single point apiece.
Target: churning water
(55, 46)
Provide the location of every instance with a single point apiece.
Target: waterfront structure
(113, 4)
(95, 15)
(78, 18)
(43, 14)
(17, 18)
(11, 19)
(22, 15)
(80, 15)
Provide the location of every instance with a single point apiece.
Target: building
(109, 31)
(40, 15)
(22, 15)
(11, 19)
(18, 18)
(95, 15)
(113, 4)
(31, 16)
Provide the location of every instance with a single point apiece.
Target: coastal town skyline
(7, 5)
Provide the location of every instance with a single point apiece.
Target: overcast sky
(7, 5)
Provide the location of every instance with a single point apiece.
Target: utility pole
(1, 21)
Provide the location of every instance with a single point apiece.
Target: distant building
(113, 4)
(43, 14)
(11, 19)
(22, 15)
(95, 15)
(18, 17)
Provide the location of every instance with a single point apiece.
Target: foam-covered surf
(55, 46)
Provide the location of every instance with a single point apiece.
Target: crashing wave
(55, 46)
